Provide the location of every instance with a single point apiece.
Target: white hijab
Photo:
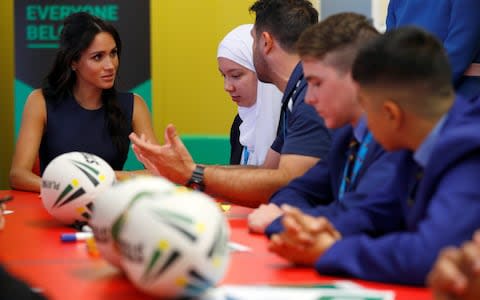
(260, 121)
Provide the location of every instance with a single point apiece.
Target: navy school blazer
(316, 192)
(445, 211)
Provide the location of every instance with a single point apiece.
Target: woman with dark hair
(78, 108)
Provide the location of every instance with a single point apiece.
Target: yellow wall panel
(6, 88)
(187, 86)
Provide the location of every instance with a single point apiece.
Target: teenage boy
(405, 87)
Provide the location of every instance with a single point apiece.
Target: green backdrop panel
(144, 90)
(208, 149)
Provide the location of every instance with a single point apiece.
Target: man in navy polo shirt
(302, 137)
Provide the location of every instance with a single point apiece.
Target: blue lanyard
(360, 157)
(246, 154)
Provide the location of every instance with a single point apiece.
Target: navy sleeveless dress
(71, 127)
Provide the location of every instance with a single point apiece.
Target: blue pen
(76, 236)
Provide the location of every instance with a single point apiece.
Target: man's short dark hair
(401, 55)
(285, 20)
(341, 34)
(408, 60)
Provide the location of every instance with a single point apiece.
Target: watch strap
(196, 181)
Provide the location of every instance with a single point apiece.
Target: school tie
(352, 156)
(349, 166)
(414, 187)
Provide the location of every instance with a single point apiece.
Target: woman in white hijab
(258, 103)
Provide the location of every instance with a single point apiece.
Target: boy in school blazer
(406, 90)
(351, 171)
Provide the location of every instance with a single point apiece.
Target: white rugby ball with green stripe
(112, 209)
(70, 184)
(176, 246)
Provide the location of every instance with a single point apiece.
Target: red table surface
(30, 248)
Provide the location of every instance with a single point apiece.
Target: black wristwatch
(196, 181)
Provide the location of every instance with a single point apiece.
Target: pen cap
(75, 236)
(68, 237)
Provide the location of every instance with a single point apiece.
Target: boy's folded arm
(407, 256)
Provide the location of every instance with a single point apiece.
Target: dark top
(235, 147)
(301, 130)
(12, 288)
(71, 127)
